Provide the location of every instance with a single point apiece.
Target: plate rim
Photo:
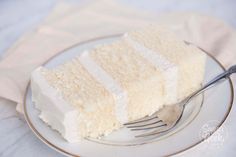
(61, 150)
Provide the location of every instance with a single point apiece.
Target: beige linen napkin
(69, 24)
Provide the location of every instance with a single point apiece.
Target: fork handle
(219, 77)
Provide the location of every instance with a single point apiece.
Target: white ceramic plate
(215, 106)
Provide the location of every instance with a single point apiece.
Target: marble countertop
(19, 16)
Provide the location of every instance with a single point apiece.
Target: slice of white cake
(98, 91)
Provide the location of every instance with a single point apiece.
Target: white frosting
(54, 109)
(169, 70)
(109, 84)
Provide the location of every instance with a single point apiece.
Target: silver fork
(161, 121)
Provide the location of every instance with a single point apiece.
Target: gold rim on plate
(61, 150)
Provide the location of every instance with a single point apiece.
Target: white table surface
(18, 16)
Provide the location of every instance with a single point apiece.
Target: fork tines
(145, 123)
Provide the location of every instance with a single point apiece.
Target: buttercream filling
(109, 84)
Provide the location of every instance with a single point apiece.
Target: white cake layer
(70, 121)
(54, 110)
